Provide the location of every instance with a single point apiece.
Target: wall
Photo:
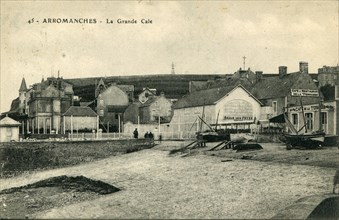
(188, 117)
(80, 123)
(238, 107)
(8, 134)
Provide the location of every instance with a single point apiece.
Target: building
(132, 114)
(80, 118)
(46, 102)
(112, 102)
(231, 107)
(156, 109)
(146, 94)
(309, 115)
(328, 75)
(9, 130)
(275, 91)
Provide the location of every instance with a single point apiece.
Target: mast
(202, 116)
(216, 123)
(302, 110)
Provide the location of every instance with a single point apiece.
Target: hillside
(174, 86)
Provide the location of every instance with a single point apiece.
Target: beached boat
(310, 140)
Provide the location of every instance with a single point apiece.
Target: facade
(155, 109)
(80, 118)
(328, 75)
(146, 94)
(131, 113)
(111, 105)
(9, 130)
(328, 118)
(46, 102)
(275, 91)
(231, 107)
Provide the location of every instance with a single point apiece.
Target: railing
(111, 136)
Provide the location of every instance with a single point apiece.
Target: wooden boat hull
(305, 140)
(213, 136)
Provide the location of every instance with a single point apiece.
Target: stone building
(9, 130)
(46, 102)
(328, 75)
(156, 108)
(146, 94)
(275, 91)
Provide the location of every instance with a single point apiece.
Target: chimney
(282, 71)
(303, 67)
(258, 75)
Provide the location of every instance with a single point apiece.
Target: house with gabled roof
(81, 118)
(146, 94)
(228, 107)
(156, 109)
(276, 91)
(9, 129)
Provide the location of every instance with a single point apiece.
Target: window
(275, 106)
(101, 112)
(48, 108)
(324, 118)
(309, 121)
(295, 119)
(116, 116)
(101, 102)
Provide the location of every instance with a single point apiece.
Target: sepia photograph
(168, 109)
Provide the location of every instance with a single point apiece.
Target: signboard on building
(305, 92)
(238, 111)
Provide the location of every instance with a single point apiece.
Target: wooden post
(64, 125)
(33, 126)
(119, 124)
(72, 126)
(38, 125)
(23, 127)
(44, 124)
(97, 126)
(27, 124)
(320, 122)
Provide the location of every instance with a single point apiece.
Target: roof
(23, 86)
(80, 111)
(207, 97)
(8, 122)
(15, 105)
(116, 108)
(151, 100)
(273, 87)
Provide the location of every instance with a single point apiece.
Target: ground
(197, 184)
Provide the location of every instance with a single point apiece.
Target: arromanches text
(70, 20)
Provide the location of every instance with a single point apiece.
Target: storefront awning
(278, 119)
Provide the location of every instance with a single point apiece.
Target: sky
(201, 37)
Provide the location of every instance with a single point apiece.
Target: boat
(213, 134)
(310, 140)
